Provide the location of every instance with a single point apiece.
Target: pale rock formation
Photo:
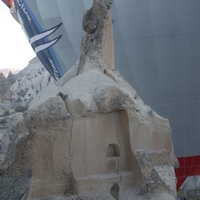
(191, 188)
(5, 84)
(7, 71)
(91, 136)
(30, 82)
(99, 50)
(7, 134)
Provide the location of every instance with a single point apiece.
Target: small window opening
(114, 191)
(112, 151)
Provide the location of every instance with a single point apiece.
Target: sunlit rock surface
(30, 82)
(90, 136)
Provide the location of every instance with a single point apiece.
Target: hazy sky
(15, 51)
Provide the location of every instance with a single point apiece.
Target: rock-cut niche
(114, 191)
(112, 151)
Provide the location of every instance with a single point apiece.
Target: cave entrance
(114, 191)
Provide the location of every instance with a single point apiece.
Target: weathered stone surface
(68, 136)
(5, 84)
(91, 136)
(190, 188)
(14, 188)
(97, 45)
(30, 82)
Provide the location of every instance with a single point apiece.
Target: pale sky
(15, 51)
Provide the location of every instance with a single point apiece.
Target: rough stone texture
(30, 82)
(5, 84)
(6, 132)
(14, 188)
(97, 45)
(67, 133)
(91, 136)
(190, 188)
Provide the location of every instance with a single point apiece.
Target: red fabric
(189, 166)
(7, 2)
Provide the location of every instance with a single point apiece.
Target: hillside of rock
(6, 71)
(5, 84)
(26, 84)
(30, 81)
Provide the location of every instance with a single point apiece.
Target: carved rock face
(92, 137)
(96, 132)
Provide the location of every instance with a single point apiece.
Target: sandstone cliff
(90, 136)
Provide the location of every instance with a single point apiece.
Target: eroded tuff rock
(30, 81)
(91, 136)
(190, 188)
(5, 84)
(97, 45)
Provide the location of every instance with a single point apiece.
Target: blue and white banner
(38, 38)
